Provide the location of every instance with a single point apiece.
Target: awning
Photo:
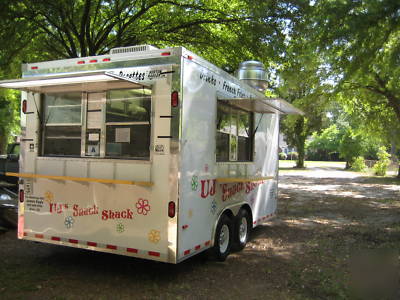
(78, 81)
(263, 105)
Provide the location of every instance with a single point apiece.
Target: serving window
(128, 114)
(112, 124)
(234, 138)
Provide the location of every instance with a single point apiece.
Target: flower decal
(120, 228)
(49, 197)
(195, 183)
(69, 222)
(213, 206)
(142, 206)
(154, 236)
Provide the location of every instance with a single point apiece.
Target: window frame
(45, 125)
(103, 125)
(131, 123)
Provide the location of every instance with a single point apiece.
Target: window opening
(63, 123)
(128, 114)
(115, 124)
(234, 138)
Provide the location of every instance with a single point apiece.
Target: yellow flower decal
(49, 197)
(154, 236)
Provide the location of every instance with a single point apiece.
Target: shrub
(382, 164)
(282, 155)
(358, 164)
(293, 155)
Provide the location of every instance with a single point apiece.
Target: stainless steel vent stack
(253, 73)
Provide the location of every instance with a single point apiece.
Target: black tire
(243, 226)
(224, 230)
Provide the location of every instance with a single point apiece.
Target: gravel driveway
(336, 237)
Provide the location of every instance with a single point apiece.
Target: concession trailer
(146, 152)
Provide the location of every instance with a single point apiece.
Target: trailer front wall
(129, 219)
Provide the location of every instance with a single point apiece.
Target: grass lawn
(291, 163)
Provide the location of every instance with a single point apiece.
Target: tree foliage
(382, 165)
(302, 83)
(9, 117)
(74, 28)
(325, 145)
(360, 40)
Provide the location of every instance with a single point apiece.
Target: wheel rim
(224, 238)
(243, 230)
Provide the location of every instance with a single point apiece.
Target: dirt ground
(337, 237)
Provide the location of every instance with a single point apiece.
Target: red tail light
(174, 99)
(171, 209)
(21, 196)
(24, 106)
(165, 53)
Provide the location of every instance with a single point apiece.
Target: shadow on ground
(306, 253)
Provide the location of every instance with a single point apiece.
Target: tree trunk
(398, 173)
(300, 158)
(300, 141)
(301, 145)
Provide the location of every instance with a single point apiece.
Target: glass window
(128, 127)
(62, 124)
(245, 143)
(117, 124)
(63, 108)
(223, 132)
(234, 134)
(128, 141)
(128, 105)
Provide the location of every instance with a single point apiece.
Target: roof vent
(253, 73)
(131, 49)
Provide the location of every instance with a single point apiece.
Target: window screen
(234, 140)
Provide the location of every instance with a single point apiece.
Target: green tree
(74, 28)
(301, 82)
(352, 145)
(325, 145)
(360, 41)
(9, 117)
(383, 163)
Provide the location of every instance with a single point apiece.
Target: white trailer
(145, 152)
